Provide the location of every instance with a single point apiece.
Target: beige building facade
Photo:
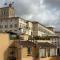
(19, 50)
(8, 21)
(11, 24)
(41, 30)
(13, 49)
(7, 12)
(4, 44)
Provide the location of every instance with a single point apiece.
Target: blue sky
(44, 11)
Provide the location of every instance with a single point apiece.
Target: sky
(46, 12)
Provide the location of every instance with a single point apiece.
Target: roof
(40, 44)
(26, 43)
(6, 18)
(9, 18)
(12, 33)
(57, 31)
(46, 45)
(50, 37)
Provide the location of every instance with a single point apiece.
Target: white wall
(8, 22)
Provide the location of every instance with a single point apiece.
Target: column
(35, 53)
(45, 52)
(48, 52)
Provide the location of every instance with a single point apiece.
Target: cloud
(54, 7)
(26, 7)
(52, 3)
(44, 11)
(2, 3)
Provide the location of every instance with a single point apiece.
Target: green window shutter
(13, 37)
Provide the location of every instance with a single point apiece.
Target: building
(7, 12)
(29, 27)
(19, 29)
(8, 21)
(41, 30)
(15, 49)
(57, 33)
(51, 28)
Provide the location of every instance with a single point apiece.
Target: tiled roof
(9, 18)
(26, 43)
(50, 37)
(46, 45)
(40, 44)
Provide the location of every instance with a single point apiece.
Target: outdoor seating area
(44, 49)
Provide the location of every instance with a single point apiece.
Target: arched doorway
(12, 58)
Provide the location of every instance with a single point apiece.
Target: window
(6, 26)
(11, 26)
(15, 30)
(24, 26)
(20, 25)
(10, 30)
(19, 28)
(0, 20)
(15, 25)
(1, 26)
(3, 12)
(11, 20)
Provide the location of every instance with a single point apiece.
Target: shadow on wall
(6, 54)
(12, 53)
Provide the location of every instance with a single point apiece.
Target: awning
(38, 44)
